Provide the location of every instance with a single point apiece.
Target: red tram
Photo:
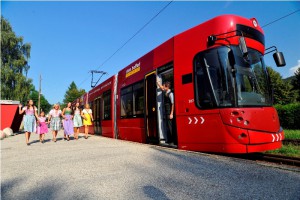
(222, 92)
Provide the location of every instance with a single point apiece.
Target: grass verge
(292, 134)
(289, 149)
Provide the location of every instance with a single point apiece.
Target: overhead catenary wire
(276, 20)
(160, 11)
(125, 43)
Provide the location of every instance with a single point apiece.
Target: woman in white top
(29, 119)
(54, 117)
(87, 119)
(77, 120)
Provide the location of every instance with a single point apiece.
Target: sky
(68, 39)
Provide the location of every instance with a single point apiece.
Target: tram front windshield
(221, 82)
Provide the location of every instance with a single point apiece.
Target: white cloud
(294, 69)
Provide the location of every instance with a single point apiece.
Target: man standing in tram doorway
(169, 109)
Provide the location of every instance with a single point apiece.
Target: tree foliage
(14, 64)
(45, 105)
(72, 93)
(296, 83)
(282, 92)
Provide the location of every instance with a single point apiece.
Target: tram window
(106, 111)
(132, 101)
(138, 94)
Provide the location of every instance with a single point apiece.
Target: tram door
(97, 118)
(150, 111)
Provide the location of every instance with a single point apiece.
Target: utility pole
(39, 103)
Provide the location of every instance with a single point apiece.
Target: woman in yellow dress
(87, 119)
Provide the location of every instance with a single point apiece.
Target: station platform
(104, 168)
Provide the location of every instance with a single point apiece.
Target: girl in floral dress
(42, 127)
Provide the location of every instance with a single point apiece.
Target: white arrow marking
(280, 136)
(277, 137)
(273, 137)
(196, 120)
(190, 120)
(202, 120)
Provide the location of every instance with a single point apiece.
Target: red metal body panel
(106, 125)
(10, 117)
(230, 130)
(133, 129)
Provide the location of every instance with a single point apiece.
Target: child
(42, 127)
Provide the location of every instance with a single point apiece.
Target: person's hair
(29, 105)
(56, 105)
(74, 108)
(168, 84)
(41, 113)
(70, 107)
(87, 105)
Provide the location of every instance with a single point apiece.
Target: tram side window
(132, 101)
(106, 115)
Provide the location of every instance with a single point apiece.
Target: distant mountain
(289, 79)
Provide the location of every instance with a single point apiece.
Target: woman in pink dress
(42, 127)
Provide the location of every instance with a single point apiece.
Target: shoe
(68, 138)
(42, 141)
(28, 144)
(86, 137)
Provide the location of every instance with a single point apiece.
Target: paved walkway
(103, 168)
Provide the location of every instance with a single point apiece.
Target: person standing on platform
(54, 117)
(87, 119)
(67, 115)
(42, 126)
(77, 120)
(29, 119)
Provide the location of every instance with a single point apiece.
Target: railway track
(294, 161)
(291, 141)
(271, 158)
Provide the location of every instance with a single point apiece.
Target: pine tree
(72, 94)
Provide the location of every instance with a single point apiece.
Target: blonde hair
(87, 106)
(56, 105)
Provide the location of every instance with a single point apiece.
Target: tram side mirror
(211, 40)
(231, 58)
(279, 59)
(243, 46)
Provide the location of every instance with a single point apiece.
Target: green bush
(289, 115)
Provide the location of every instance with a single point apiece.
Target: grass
(292, 134)
(289, 149)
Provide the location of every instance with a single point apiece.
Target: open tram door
(166, 137)
(151, 110)
(155, 121)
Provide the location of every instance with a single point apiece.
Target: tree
(282, 92)
(45, 105)
(296, 83)
(72, 93)
(14, 62)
